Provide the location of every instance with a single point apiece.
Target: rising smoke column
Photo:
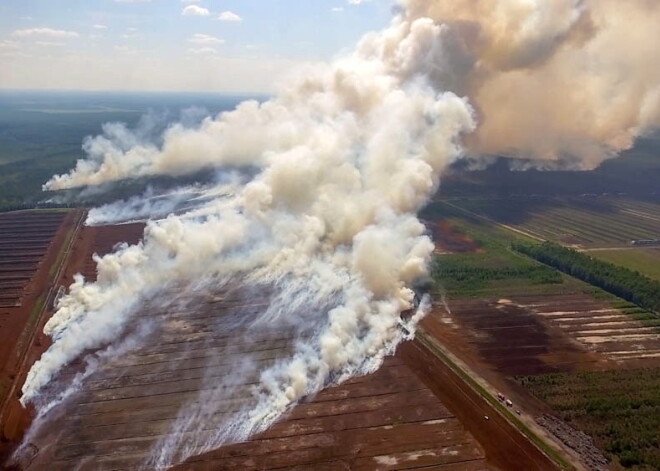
(347, 154)
(559, 83)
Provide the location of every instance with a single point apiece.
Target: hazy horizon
(177, 46)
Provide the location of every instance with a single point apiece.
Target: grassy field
(620, 409)
(583, 221)
(495, 270)
(645, 261)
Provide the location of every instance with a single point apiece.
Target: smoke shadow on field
(513, 339)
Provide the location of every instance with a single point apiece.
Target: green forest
(620, 409)
(622, 282)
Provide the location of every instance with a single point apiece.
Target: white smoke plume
(156, 204)
(566, 81)
(347, 154)
(569, 82)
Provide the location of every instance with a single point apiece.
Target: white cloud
(194, 10)
(7, 44)
(14, 54)
(202, 51)
(99, 27)
(337, 9)
(205, 39)
(358, 2)
(49, 43)
(229, 16)
(144, 71)
(189, 1)
(45, 32)
(125, 50)
(133, 1)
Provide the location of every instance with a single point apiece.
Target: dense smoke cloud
(347, 153)
(570, 82)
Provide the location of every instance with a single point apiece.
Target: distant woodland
(627, 284)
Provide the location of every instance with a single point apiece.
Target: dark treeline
(627, 284)
(5, 208)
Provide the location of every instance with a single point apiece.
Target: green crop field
(645, 261)
(620, 409)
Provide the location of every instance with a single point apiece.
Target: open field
(76, 247)
(585, 222)
(491, 269)
(645, 261)
(500, 339)
(620, 409)
(24, 240)
(32, 245)
(533, 334)
(449, 238)
(388, 420)
(21, 340)
(507, 317)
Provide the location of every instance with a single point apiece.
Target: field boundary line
(470, 379)
(494, 222)
(63, 260)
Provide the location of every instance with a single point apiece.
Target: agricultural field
(33, 246)
(579, 221)
(485, 265)
(645, 261)
(24, 240)
(620, 409)
(505, 315)
(395, 418)
(383, 420)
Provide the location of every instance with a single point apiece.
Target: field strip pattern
(387, 420)
(602, 329)
(24, 241)
(606, 222)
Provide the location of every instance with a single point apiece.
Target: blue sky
(202, 45)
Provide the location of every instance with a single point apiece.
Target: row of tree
(622, 282)
(13, 206)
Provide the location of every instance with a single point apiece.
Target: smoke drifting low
(347, 153)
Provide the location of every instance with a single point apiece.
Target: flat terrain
(620, 409)
(32, 247)
(504, 315)
(41, 132)
(449, 238)
(388, 420)
(588, 221)
(645, 261)
(533, 335)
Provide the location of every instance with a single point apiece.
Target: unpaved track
(506, 447)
